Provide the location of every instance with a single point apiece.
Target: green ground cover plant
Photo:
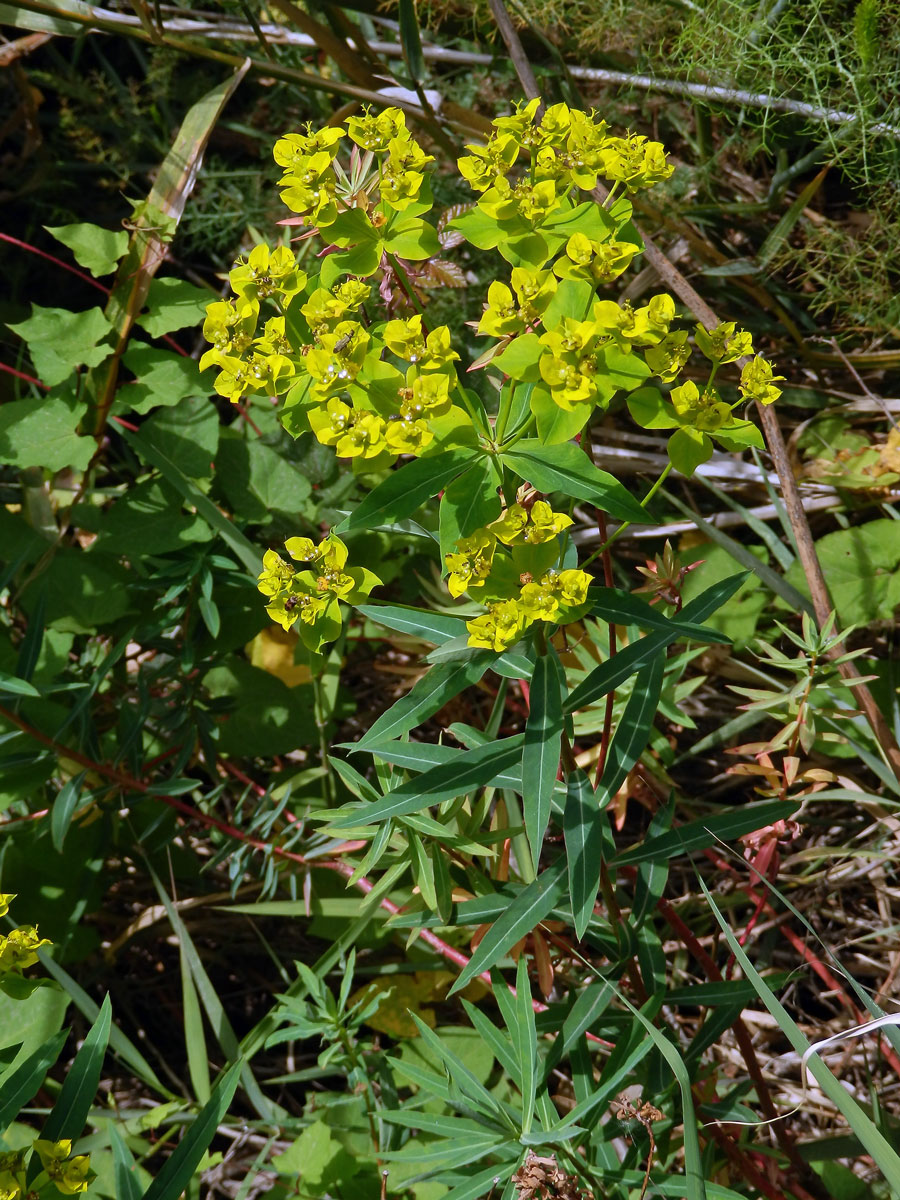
(376, 819)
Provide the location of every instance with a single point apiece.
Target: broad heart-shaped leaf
(528, 909)
(411, 238)
(706, 831)
(627, 371)
(97, 250)
(520, 358)
(540, 749)
(162, 378)
(557, 425)
(633, 731)
(568, 469)
(688, 448)
(648, 408)
(42, 433)
(179, 1168)
(612, 604)
(429, 626)
(469, 502)
(582, 825)
(432, 692)
(173, 304)
(466, 771)
(632, 657)
(406, 489)
(69, 1113)
(59, 340)
(478, 228)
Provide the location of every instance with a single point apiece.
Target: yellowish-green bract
(377, 390)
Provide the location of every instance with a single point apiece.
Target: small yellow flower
(376, 131)
(6, 898)
(519, 527)
(470, 566)
(758, 381)
(407, 435)
(70, 1175)
(294, 149)
(668, 357)
(489, 163)
(635, 161)
(596, 262)
(19, 949)
(266, 273)
(406, 339)
(229, 328)
(276, 574)
(500, 627)
(724, 344)
(704, 411)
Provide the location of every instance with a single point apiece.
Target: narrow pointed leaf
(23, 1084)
(566, 468)
(706, 831)
(540, 750)
(633, 731)
(179, 1168)
(405, 490)
(474, 769)
(442, 683)
(69, 1113)
(637, 654)
(529, 908)
(584, 847)
(429, 626)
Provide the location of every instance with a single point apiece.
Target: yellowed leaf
(273, 651)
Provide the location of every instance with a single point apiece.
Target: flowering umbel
(310, 598)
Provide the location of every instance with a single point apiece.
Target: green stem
(610, 195)
(627, 524)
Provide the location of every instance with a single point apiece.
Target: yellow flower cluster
(312, 596)
(246, 362)
(567, 149)
(522, 587)
(317, 189)
(18, 950)
(571, 361)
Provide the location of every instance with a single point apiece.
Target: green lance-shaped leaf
(540, 750)
(405, 490)
(61, 817)
(565, 468)
(71, 1109)
(611, 604)
(529, 908)
(584, 847)
(474, 769)
(431, 693)
(419, 622)
(24, 1082)
(706, 831)
(179, 1169)
(636, 655)
(633, 731)
(411, 41)
(125, 1169)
